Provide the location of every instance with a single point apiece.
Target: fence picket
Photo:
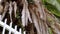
(15, 29)
(24, 32)
(4, 26)
(10, 29)
(20, 31)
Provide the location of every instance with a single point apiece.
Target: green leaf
(50, 31)
(54, 3)
(53, 8)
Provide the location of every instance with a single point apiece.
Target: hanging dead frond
(15, 7)
(4, 10)
(25, 14)
(32, 13)
(10, 10)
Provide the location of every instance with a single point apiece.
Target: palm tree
(34, 16)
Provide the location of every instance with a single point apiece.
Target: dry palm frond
(5, 10)
(42, 27)
(15, 7)
(25, 14)
(39, 20)
(52, 22)
(10, 10)
(36, 14)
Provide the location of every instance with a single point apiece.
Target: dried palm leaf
(15, 7)
(5, 10)
(25, 14)
(10, 10)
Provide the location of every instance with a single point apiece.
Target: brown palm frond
(35, 17)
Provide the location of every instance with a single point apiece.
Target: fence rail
(9, 28)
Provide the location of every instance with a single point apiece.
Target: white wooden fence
(9, 28)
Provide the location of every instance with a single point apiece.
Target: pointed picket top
(11, 27)
(20, 31)
(24, 32)
(3, 32)
(15, 29)
(5, 21)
